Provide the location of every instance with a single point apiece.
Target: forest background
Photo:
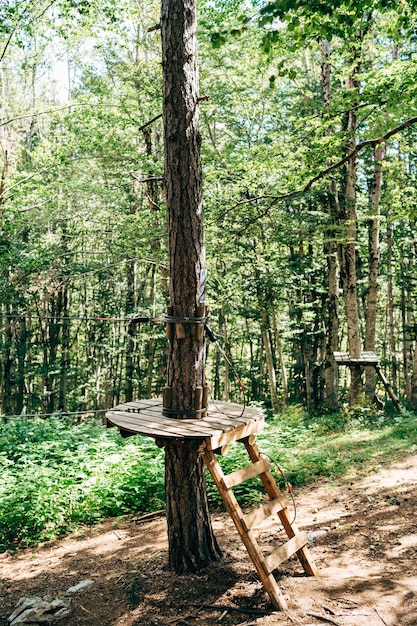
(308, 149)
(307, 118)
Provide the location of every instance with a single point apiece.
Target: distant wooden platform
(365, 359)
(368, 359)
(225, 422)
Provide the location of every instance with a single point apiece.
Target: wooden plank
(145, 417)
(265, 511)
(246, 473)
(143, 426)
(366, 359)
(221, 439)
(284, 552)
(199, 427)
(204, 428)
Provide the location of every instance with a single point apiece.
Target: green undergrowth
(58, 474)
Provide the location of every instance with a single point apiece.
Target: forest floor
(363, 538)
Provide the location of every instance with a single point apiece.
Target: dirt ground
(363, 538)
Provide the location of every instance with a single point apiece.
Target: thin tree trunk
(348, 247)
(374, 262)
(413, 392)
(266, 339)
(390, 307)
(20, 369)
(280, 355)
(65, 351)
(130, 343)
(332, 335)
(226, 394)
(331, 392)
(151, 343)
(6, 380)
(406, 323)
(192, 545)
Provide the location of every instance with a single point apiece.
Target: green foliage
(57, 474)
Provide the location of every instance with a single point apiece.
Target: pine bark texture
(192, 545)
(183, 187)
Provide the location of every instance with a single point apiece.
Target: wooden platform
(365, 359)
(226, 422)
(368, 359)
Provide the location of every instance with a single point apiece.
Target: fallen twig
(381, 618)
(324, 618)
(226, 607)
(148, 516)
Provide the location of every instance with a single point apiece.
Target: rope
(287, 484)
(173, 319)
(213, 338)
(171, 411)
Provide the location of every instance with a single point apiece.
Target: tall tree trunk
(151, 342)
(130, 342)
(7, 374)
(331, 392)
(348, 247)
(332, 335)
(413, 393)
(390, 306)
(20, 369)
(413, 382)
(192, 545)
(65, 350)
(374, 261)
(226, 394)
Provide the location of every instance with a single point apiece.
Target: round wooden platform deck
(225, 422)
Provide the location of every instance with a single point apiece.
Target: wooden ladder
(245, 524)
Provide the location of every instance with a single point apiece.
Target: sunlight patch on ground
(404, 543)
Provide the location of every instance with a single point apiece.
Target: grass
(58, 474)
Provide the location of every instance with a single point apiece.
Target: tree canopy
(307, 122)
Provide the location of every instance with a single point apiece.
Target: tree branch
(67, 106)
(360, 146)
(157, 117)
(352, 154)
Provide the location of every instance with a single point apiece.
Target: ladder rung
(265, 511)
(235, 478)
(285, 551)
